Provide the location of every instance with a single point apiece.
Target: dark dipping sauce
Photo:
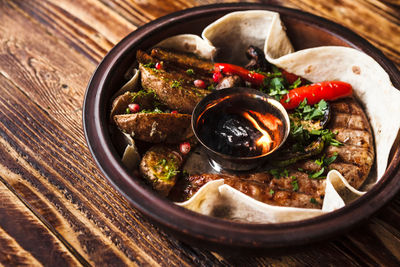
(229, 127)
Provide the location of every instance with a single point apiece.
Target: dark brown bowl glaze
(304, 30)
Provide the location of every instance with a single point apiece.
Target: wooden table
(56, 208)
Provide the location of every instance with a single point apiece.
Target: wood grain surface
(56, 208)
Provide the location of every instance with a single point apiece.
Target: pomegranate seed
(158, 66)
(217, 76)
(184, 148)
(174, 112)
(199, 84)
(134, 108)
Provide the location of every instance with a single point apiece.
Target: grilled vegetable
(316, 92)
(286, 158)
(160, 167)
(171, 128)
(247, 75)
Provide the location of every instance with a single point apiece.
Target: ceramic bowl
(304, 30)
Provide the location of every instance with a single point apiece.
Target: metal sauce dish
(240, 128)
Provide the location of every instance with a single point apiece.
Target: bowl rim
(193, 226)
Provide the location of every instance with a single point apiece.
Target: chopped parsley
(190, 71)
(165, 169)
(154, 111)
(151, 65)
(211, 87)
(327, 136)
(329, 160)
(295, 184)
(317, 175)
(313, 201)
(295, 84)
(276, 85)
(278, 173)
(176, 84)
(307, 112)
(271, 192)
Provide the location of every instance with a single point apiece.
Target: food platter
(204, 230)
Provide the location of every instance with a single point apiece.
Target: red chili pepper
(316, 92)
(247, 75)
(217, 76)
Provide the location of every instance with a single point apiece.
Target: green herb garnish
(190, 71)
(151, 65)
(154, 111)
(211, 87)
(331, 159)
(317, 175)
(295, 184)
(295, 84)
(307, 112)
(176, 84)
(278, 173)
(165, 169)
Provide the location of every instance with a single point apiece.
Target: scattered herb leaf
(317, 175)
(271, 192)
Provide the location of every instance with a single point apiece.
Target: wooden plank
(374, 20)
(44, 158)
(21, 233)
(52, 159)
(92, 33)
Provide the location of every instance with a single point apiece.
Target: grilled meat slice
(185, 72)
(145, 100)
(258, 187)
(354, 131)
(176, 94)
(156, 127)
(160, 167)
(183, 60)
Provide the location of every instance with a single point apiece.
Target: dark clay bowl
(304, 30)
